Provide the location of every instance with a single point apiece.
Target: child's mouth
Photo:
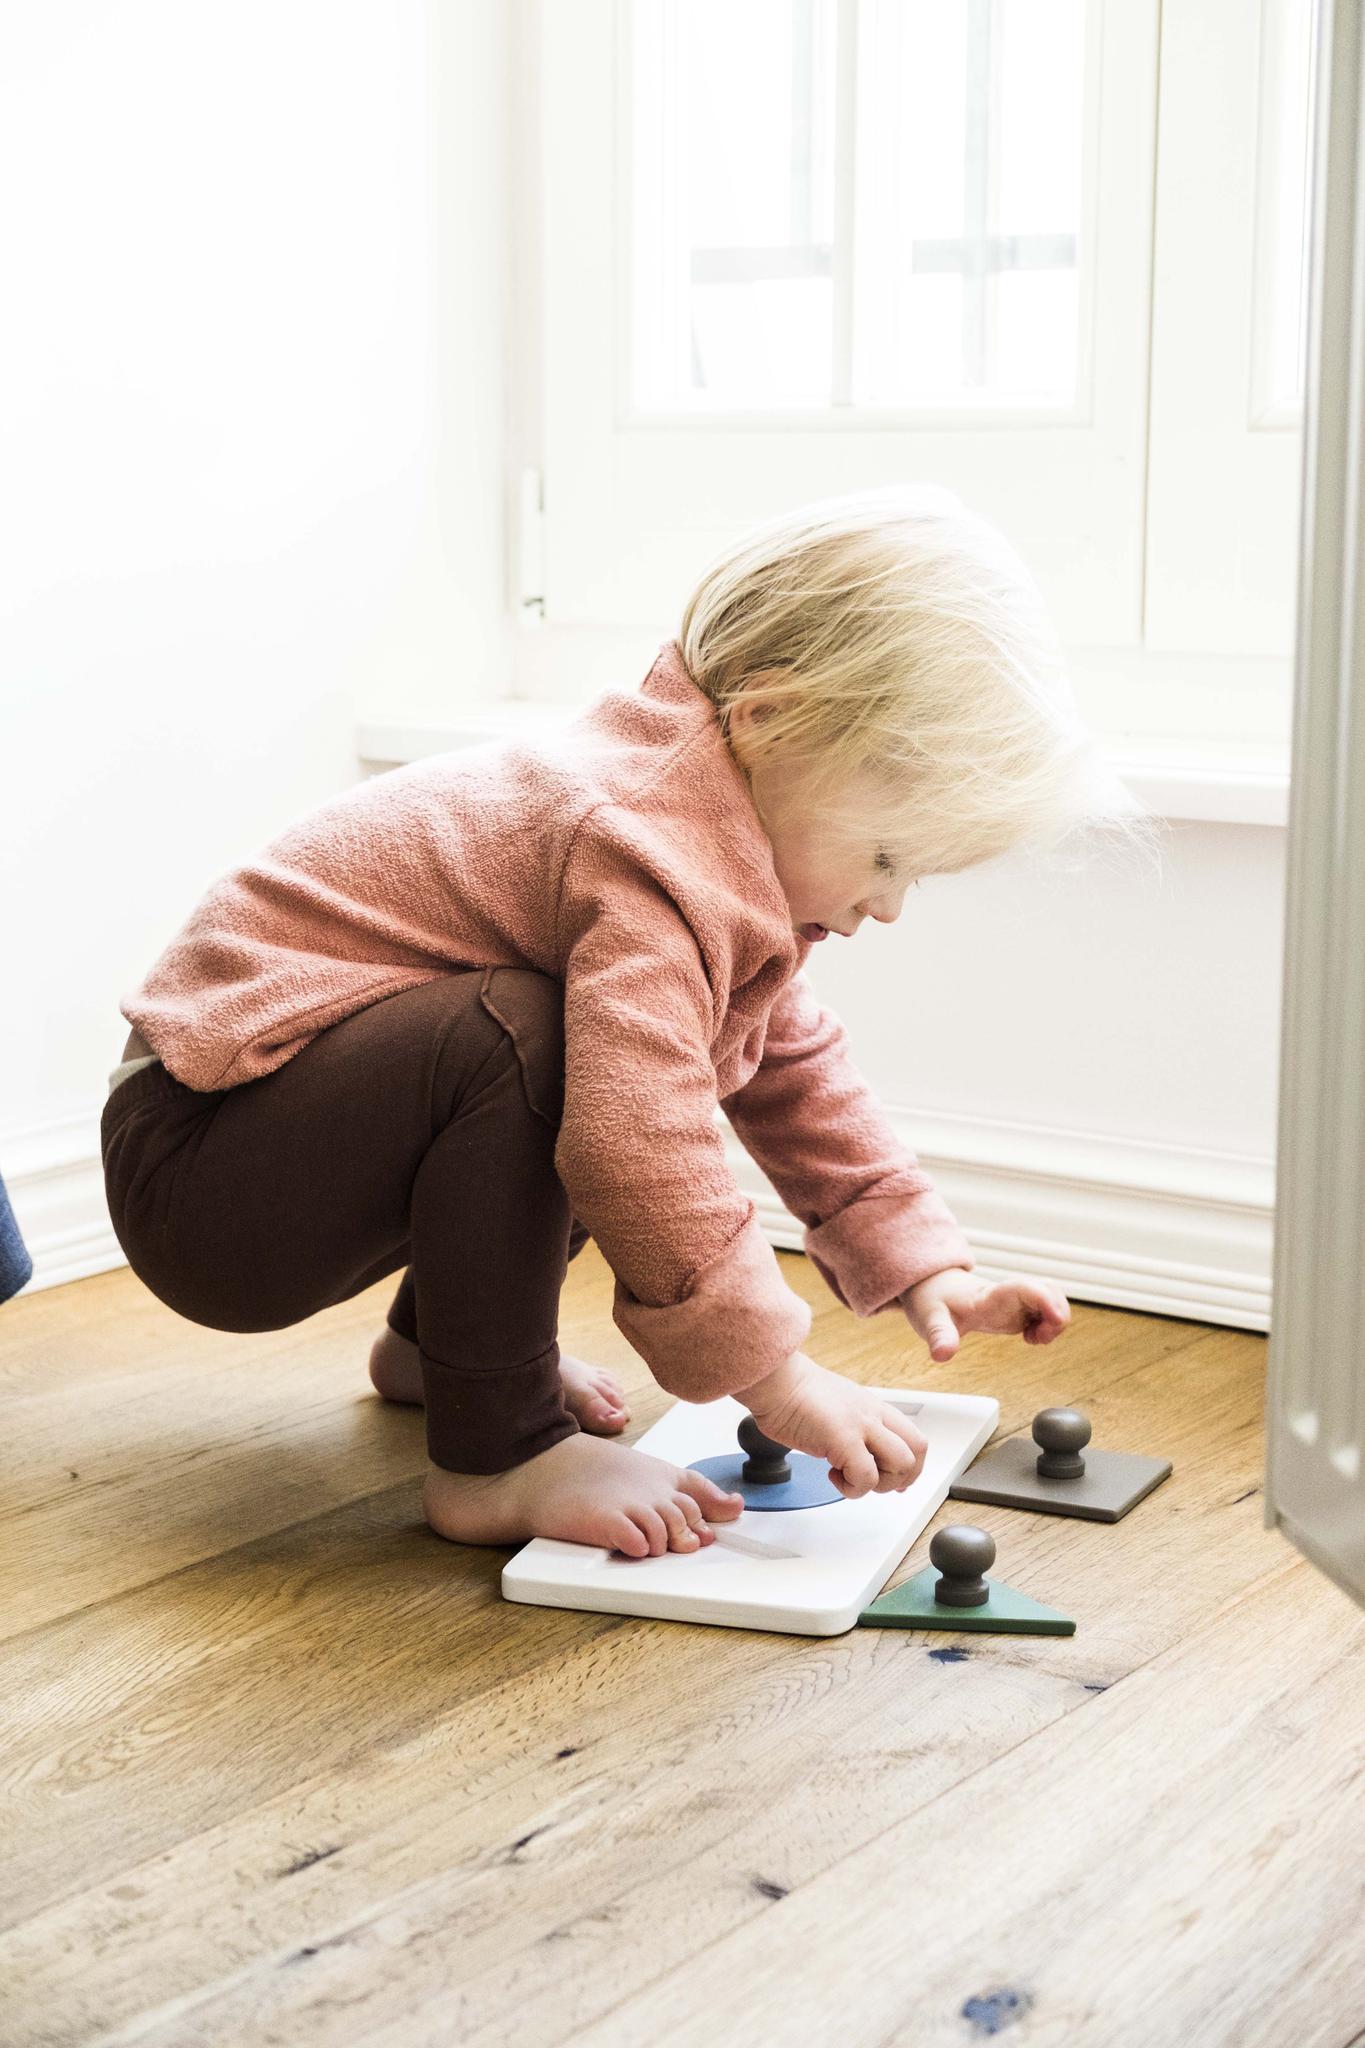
(814, 931)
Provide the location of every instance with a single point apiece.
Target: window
(802, 246)
(974, 126)
(732, 250)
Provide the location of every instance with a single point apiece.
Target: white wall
(1088, 1064)
(1142, 1004)
(253, 482)
(250, 473)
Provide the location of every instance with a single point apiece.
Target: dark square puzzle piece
(1006, 1476)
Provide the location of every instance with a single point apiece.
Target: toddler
(475, 1010)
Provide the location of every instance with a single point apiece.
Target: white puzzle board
(802, 1571)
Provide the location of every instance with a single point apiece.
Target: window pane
(733, 189)
(783, 325)
(1036, 331)
(1042, 89)
(971, 165)
(736, 80)
(930, 319)
(964, 179)
(924, 148)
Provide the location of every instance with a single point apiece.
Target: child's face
(833, 875)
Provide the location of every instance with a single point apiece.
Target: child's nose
(890, 904)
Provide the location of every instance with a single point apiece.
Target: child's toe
(694, 1524)
(716, 1505)
(655, 1529)
(628, 1538)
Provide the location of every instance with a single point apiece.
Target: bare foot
(592, 1395)
(581, 1491)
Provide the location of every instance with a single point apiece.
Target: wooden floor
(279, 1766)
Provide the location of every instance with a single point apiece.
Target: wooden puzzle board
(804, 1571)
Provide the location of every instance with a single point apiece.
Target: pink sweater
(624, 858)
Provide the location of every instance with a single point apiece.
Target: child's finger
(1047, 1315)
(894, 1418)
(940, 1334)
(897, 1461)
(902, 1427)
(859, 1470)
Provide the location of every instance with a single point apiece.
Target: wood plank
(1190, 1873)
(675, 1838)
(137, 1443)
(203, 1904)
(175, 1476)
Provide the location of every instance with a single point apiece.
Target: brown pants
(418, 1132)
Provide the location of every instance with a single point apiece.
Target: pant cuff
(492, 1419)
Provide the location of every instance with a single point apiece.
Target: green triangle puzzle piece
(1006, 1612)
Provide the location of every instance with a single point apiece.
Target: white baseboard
(1175, 1231)
(56, 1188)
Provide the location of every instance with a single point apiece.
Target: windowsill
(1177, 778)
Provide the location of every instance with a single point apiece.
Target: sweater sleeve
(699, 1292)
(874, 1222)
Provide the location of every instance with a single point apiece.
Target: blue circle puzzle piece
(808, 1487)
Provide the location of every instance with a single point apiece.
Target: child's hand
(942, 1307)
(871, 1447)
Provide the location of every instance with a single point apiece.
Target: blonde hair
(892, 638)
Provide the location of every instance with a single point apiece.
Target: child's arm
(874, 1223)
(698, 1289)
(875, 1226)
(699, 1292)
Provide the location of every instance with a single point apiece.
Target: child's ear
(745, 712)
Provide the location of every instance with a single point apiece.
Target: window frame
(859, 22)
(606, 565)
(1223, 473)
(616, 568)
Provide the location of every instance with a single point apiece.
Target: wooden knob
(766, 1463)
(963, 1555)
(1062, 1434)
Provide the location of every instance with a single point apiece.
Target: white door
(1315, 1478)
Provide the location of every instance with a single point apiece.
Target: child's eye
(884, 861)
